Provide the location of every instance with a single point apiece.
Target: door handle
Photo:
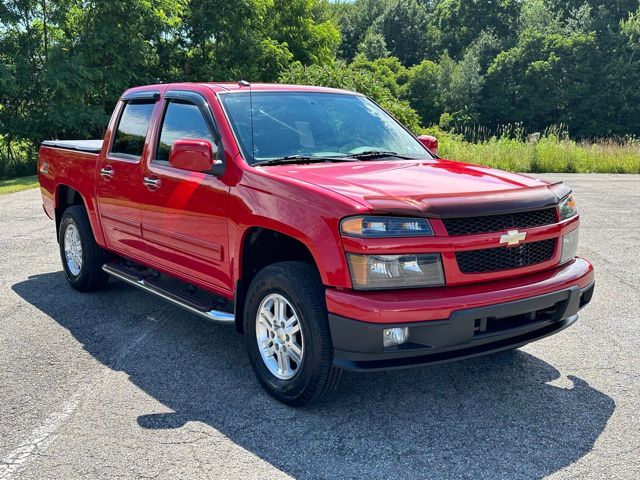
(151, 182)
(107, 172)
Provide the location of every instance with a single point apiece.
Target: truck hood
(436, 188)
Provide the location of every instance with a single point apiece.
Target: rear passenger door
(184, 219)
(119, 178)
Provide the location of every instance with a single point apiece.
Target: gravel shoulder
(117, 384)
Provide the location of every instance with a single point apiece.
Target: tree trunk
(45, 30)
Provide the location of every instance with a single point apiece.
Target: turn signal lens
(370, 272)
(380, 227)
(568, 208)
(569, 246)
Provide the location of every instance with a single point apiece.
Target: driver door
(184, 219)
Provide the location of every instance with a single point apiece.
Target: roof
(236, 87)
(274, 87)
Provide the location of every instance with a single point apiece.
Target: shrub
(17, 159)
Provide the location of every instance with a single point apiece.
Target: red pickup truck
(314, 222)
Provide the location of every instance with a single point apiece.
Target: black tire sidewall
(91, 276)
(308, 310)
(68, 218)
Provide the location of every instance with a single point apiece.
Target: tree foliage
(457, 23)
(457, 63)
(373, 46)
(355, 21)
(351, 77)
(404, 27)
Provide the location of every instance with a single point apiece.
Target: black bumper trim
(358, 345)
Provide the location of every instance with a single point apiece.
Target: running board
(216, 316)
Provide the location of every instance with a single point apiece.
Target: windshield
(312, 124)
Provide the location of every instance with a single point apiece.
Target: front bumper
(466, 332)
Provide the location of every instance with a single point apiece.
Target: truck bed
(71, 163)
(89, 146)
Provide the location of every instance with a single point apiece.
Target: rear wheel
(287, 334)
(82, 258)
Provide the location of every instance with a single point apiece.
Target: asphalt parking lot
(118, 384)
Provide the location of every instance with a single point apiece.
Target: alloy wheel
(279, 336)
(73, 249)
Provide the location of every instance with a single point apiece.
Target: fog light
(395, 336)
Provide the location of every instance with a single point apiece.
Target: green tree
(303, 25)
(541, 81)
(388, 71)
(355, 20)
(630, 32)
(461, 86)
(225, 40)
(373, 46)
(423, 91)
(404, 27)
(606, 13)
(539, 16)
(64, 63)
(615, 78)
(340, 75)
(457, 23)
(485, 48)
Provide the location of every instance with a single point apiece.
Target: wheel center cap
(281, 335)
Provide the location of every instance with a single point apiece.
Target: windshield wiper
(301, 159)
(374, 154)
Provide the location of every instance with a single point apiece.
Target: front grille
(505, 258)
(497, 223)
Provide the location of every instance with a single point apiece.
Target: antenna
(244, 83)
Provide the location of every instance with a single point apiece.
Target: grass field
(16, 184)
(546, 154)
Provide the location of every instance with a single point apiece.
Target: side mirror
(431, 143)
(192, 155)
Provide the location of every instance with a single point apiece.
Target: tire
(85, 275)
(300, 287)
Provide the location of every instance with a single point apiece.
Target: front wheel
(287, 334)
(82, 258)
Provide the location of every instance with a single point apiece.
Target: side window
(132, 129)
(181, 120)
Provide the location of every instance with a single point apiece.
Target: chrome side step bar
(216, 316)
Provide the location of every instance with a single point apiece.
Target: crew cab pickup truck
(330, 236)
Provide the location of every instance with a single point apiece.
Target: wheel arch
(66, 196)
(260, 247)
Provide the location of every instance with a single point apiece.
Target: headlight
(569, 246)
(567, 207)
(370, 272)
(380, 227)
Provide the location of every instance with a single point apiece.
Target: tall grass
(551, 151)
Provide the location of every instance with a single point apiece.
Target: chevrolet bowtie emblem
(513, 237)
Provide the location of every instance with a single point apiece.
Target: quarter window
(132, 129)
(181, 120)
